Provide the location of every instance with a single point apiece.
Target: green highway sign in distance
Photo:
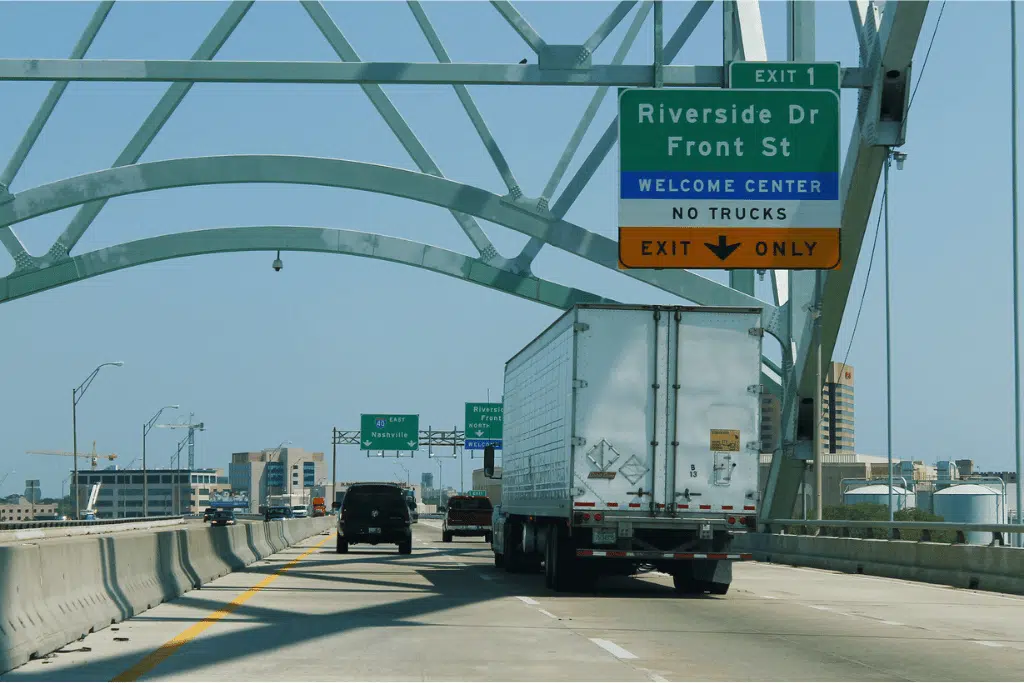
(383, 432)
(785, 75)
(484, 421)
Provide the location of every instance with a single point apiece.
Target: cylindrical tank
(970, 503)
(879, 493)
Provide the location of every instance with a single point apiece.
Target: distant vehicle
(223, 517)
(208, 514)
(319, 507)
(375, 513)
(412, 509)
(278, 513)
(467, 516)
(300, 511)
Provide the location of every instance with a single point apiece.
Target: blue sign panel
(480, 444)
(308, 474)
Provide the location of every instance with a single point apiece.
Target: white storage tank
(970, 503)
(879, 493)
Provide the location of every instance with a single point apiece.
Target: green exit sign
(785, 75)
(385, 432)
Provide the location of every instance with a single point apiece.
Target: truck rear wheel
(342, 545)
(565, 570)
(446, 536)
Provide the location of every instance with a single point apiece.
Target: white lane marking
(768, 597)
(891, 623)
(547, 613)
(654, 677)
(988, 643)
(614, 649)
(528, 601)
(820, 607)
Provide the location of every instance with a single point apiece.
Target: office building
(276, 471)
(837, 420)
(427, 480)
(171, 492)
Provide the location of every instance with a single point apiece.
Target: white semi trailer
(631, 439)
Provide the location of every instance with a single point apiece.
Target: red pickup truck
(467, 516)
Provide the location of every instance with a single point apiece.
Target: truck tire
(513, 556)
(549, 559)
(565, 570)
(446, 536)
(342, 545)
(405, 547)
(488, 537)
(499, 560)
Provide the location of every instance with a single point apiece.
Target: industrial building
(491, 486)
(276, 471)
(21, 509)
(171, 492)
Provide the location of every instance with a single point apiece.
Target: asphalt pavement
(445, 613)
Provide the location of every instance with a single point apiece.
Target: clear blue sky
(262, 357)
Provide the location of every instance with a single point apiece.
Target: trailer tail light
(598, 516)
(586, 516)
(732, 520)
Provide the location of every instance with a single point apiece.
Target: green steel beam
(21, 152)
(153, 124)
(292, 238)
(355, 175)
(141, 71)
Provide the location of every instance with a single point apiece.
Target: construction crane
(94, 457)
(191, 427)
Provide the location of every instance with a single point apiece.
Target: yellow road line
(171, 646)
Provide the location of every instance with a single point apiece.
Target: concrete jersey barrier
(52, 594)
(978, 567)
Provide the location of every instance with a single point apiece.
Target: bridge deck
(445, 613)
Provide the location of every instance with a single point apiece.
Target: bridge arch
(292, 238)
(356, 175)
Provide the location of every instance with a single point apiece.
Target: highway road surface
(445, 613)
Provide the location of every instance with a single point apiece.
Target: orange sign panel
(730, 248)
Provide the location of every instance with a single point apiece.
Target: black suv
(375, 513)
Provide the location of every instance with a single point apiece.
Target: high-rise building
(837, 420)
(427, 480)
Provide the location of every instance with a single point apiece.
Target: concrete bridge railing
(993, 567)
(55, 592)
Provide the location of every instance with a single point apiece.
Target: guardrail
(55, 524)
(926, 528)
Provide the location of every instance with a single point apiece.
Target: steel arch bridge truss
(886, 41)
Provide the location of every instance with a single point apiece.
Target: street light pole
(76, 396)
(1016, 249)
(900, 157)
(146, 427)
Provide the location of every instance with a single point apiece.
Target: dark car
(375, 513)
(467, 516)
(223, 517)
(208, 514)
(282, 512)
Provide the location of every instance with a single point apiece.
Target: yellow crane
(94, 457)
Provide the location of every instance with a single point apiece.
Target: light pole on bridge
(146, 428)
(76, 396)
(900, 157)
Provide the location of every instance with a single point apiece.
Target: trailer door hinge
(756, 331)
(580, 327)
(755, 389)
(579, 441)
(579, 383)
